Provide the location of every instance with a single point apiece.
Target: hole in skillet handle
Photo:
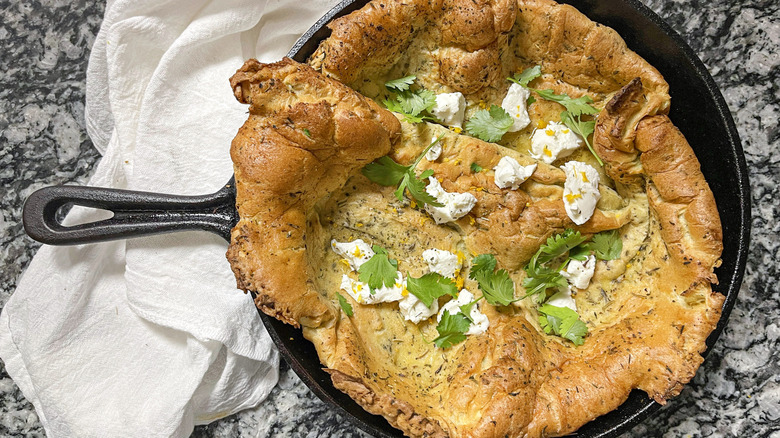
(698, 110)
(134, 213)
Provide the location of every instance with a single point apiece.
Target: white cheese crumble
(456, 205)
(361, 293)
(434, 152)
(580, 191)
(441, 262)
(450, 109)
(510, 174)
(555, 141)
(415, 310)
(356, 252)
(514, 104)
(480, 324)
(563, 298)
(579, 273)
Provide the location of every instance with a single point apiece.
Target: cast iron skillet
(698, 110)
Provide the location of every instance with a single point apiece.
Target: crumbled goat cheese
(515, 104)
(361, 292)
(456, 205)
(510, 174)
(415, 310)
(554, 141)
(579, 273)
(563, 298)
(441, 262)
(356, 252)
(580, 191)
(450, 109)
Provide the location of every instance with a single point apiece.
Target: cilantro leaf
(417, 102)
(576, 107)
(430, 287)
(413, 104)
(379, 271)
(497, 288)
(416, 187)
(345, 306)
(476, 167)
(558, 245)
(490, 125)
(482, 264)
(580, 252)
(400, 84)
(607, 245)
(306, 132)
(384, 171)
(466, 310)
(563, 322)
(452, 329)
(527, 76)
(583, 129)
(539, 278)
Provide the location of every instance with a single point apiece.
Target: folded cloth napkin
(148, 337)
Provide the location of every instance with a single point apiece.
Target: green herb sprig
(379, 271)
(414, 105)
(575, 108)
(387, 172)
(489, 125)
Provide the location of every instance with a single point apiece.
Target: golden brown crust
(677, 191)
(649, 312)
(304, 137)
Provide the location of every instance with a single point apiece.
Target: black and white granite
(44, 46)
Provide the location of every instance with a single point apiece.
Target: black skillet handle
(135, 213)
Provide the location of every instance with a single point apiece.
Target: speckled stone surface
(44, 46)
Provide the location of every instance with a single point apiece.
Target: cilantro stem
(417, 161)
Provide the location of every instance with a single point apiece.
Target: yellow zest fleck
(517, 115)
(541, 124)
(455, 129)
(572, 196)
(359, 224)
(422, 221)
(461, 257)
(446, 159)
(547, 151)
(518, 107)
(405, 292)
(584, 177)
(412, 203)
(439, 180)
(360, 299)
(482, 104)
(528, 204)
(345, 263)
(565, 131)
(397, 285)
(479, 189)
(358, 252)
(471, 220)
(459, 282)
(628, 265)
(549, 132)
(458, 161)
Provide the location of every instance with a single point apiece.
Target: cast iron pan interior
(698, 110)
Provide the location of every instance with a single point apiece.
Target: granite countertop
(45, 45)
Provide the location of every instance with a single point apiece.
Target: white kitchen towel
(148, 337)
